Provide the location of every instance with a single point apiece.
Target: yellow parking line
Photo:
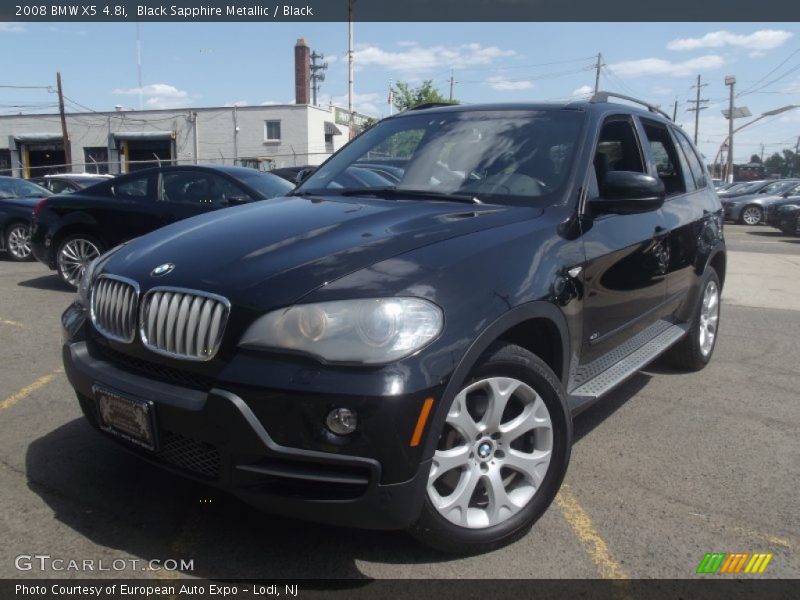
(29, 389)
(11, 323)
(581, 524)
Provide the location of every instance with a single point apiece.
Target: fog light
(342, 421)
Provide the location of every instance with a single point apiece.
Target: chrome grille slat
(184, 324)
(113, 307)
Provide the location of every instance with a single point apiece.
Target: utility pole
(597, 67)
(317, 74)
(193, 118)
(139, 64)
(64, 134)
(796, 158)
(698, 106)
(390, 98)
(762, 154)
(675, 111)
(350, 68)
(452, 81)
(235, 136)
(730, 80)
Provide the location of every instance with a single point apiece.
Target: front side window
(272, 131)
(192, 187)
(778, 187)
(518, 157)
(130, 188)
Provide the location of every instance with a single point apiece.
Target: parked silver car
(750, 209)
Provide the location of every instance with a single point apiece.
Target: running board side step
(620, 371)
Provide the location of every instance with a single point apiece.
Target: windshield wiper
(393, 192)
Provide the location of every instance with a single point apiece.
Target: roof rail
(604, 96)
(431, 105)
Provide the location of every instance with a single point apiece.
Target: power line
(783, 62)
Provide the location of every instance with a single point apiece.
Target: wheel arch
(550, 336)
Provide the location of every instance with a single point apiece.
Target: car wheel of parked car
(18, 241)
(751, 215)
(501, 455)
(74, 254)
(694, 351)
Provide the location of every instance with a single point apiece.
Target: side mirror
(629, 192)
(302, 175)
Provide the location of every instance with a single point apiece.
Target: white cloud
(362, 103)
(584, 90)
(415, 58)
(237, 103)
(662, 91)
(501, 84)
(158, 95)
(660, 66)
(758, 41)
(11, 28)
(270, 103)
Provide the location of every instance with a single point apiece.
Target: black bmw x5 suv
(412, 355)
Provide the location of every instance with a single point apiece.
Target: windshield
(519, 157)
(779, 187)
(268, 185)
(19, 188)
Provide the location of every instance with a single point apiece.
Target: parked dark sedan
(751, 209)
(785, 215)
(71, 230)
(17, 199)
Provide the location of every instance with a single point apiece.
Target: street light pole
(769, 113)
(730, 80)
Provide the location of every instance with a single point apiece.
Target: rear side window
(695, 164)
(665, 157)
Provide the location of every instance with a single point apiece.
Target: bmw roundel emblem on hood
(161, 270)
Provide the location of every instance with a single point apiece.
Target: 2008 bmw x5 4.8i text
(410, 353)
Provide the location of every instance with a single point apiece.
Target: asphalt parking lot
(665, 469)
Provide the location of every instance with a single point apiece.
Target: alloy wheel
(751, 215)
(493, 454)
(709, 318)
(19, 241)
(74, 257)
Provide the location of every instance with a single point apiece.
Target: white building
(118, 142)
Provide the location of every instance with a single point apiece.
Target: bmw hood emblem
(162, 270)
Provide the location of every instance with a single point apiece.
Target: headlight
(369, 331)
(90, 274)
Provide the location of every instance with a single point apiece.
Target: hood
(273, 252)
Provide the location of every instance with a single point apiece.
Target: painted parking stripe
(581, 524)
(29, 389)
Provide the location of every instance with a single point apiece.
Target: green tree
(755, 158)
(406, 97)
(775, 163)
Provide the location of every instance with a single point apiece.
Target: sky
(216, 64)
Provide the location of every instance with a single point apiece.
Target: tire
(18, 242)
(519, 433)
(751, 215)
(74, 253)
(694, 350)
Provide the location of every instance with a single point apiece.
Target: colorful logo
(734, 562)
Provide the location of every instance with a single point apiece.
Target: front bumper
(218, 438)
